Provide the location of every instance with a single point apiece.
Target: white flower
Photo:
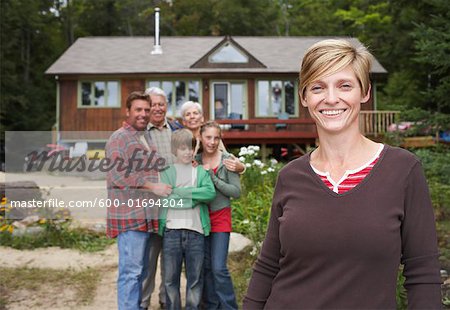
(257, 162)
(248, 165)
(243, 151)
(242, 158)
(246, 221)
(254, 148)
(270, 169)
(273, 161)
(250, 152)
(263, 172)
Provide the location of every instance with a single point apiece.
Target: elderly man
(132, 178)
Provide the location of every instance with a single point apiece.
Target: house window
(228, 99)
(228, 53)
(178, 92)
(275, 97)
(99, 94)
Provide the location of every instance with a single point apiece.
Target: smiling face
(138, 114)
(210, 139)
(192, 119)
(184, 154)
(158, 110)
(334, 101)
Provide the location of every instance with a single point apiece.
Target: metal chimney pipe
(157, 49)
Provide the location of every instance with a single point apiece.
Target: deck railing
(374, 123)
(265, 130)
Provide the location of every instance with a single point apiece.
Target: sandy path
(56, 258)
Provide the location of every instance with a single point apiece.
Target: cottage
(249, 84)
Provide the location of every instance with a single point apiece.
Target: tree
(432, 42)
(31, 41)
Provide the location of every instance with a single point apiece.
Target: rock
(238, 242)
(31, 219)
(20, 190)
(33, 230)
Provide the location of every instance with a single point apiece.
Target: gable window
(95, 94)
(228, 53)
(178, 92)
(276, 97)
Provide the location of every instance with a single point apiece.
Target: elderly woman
(347, 214)
(192, 118)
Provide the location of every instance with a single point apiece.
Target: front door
(228, 100)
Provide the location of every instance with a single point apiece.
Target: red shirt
(351, 178)
(221, 219)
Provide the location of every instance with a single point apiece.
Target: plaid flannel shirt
(125, 191)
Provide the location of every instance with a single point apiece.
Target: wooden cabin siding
(128, 86)
(74, 118)
(258, 129)
(205, 98)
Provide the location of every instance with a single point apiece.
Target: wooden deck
(296, 131)
(268, 131)
(375, 123)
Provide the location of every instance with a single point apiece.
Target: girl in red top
(218, 290)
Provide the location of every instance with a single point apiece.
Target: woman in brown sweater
(346, 215)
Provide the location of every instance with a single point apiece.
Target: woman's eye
(316, 89)
(346, 86)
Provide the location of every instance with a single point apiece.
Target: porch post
(263, 151)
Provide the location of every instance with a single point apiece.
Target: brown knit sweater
(342, 251)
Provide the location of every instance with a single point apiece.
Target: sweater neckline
(318, 180)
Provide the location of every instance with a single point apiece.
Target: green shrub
(65, 237)
(56, 231)
(252, 210)
(401, 292)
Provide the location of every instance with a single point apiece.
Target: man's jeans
(189, 246)
(148, 284)
(218, 292)
(133, 265)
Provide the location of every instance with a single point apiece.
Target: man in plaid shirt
(132, 181)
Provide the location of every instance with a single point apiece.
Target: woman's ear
(304, 103)
(302, 100)
(367, 96)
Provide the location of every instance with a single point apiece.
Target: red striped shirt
(351, 178)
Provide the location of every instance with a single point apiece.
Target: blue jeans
(218, 292)
(189, 246)
(133, 265)
(148, 284)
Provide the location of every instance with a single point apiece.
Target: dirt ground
(66, 188)
(57, 258)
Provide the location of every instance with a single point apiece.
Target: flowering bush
(257, 173)
(251, 211)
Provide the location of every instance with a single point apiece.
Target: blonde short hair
(182, 138)
(190, 104)
(330, 56)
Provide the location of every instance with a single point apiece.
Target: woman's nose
(332, 95)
